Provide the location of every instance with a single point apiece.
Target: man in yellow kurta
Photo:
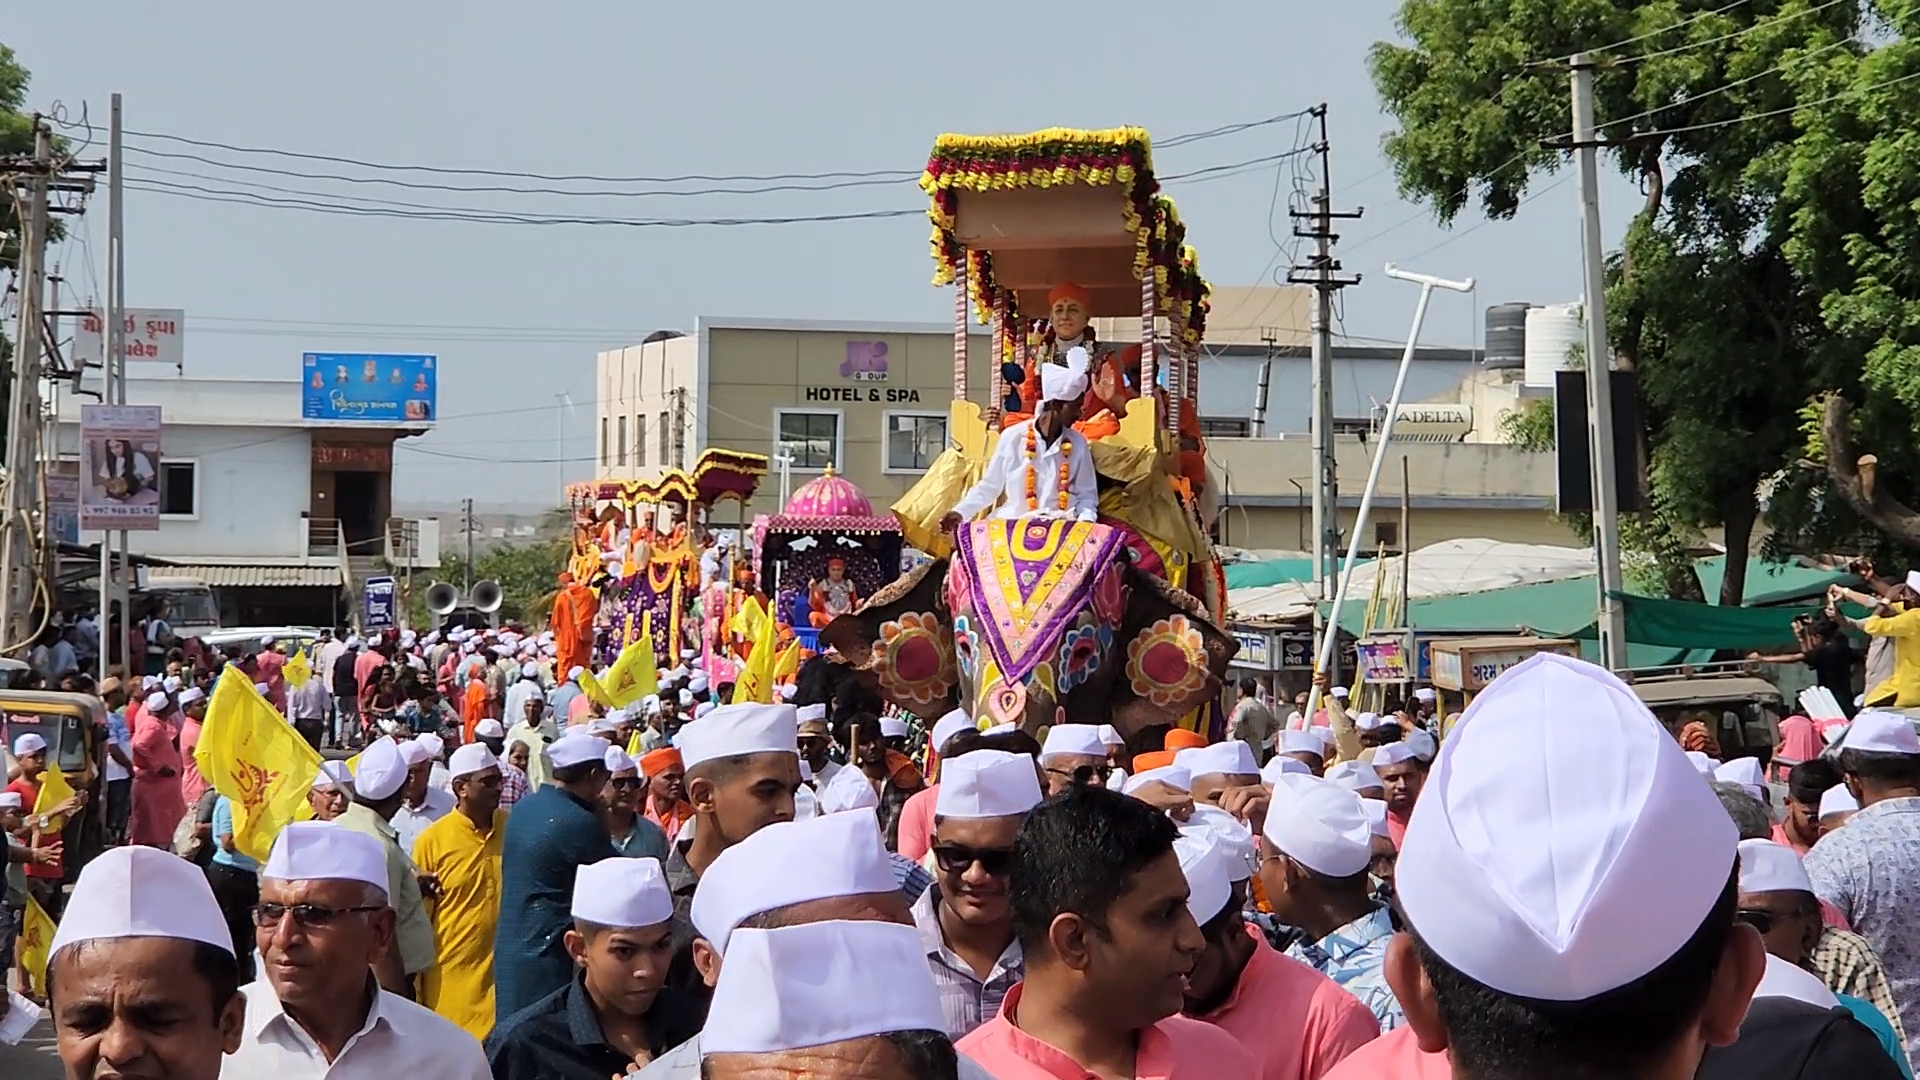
(460, 854)
(1896, 617)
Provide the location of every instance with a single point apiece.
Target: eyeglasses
(958, 859)
(1759, 920)
(1084, 774)
(625, 783)
(308, 916)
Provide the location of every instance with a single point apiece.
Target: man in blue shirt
(236, 885)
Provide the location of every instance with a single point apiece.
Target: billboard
(120, 467)
(63, 501)
(368, 388)
(154, 336)
(376, 604)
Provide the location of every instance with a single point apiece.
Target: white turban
(1069, 382)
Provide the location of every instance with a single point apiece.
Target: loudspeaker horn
(486, 596)
(442, 598)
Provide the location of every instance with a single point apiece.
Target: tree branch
(1857, 477)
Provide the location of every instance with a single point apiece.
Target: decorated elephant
(1034, 621)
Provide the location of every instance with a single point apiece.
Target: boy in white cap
(461, 852)
(323, 920)
(1100, 909)
(1569, 897)
(30, 751)
(378, 788)
(617, 1013)
(769, 1018)
(143, 938)
(1043, 456)
(550, 835)
(966, 918)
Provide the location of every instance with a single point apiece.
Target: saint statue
(833, 596)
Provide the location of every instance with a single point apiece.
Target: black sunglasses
(1085, 773)
(958, 859)
(1761, 921)
(310, 916)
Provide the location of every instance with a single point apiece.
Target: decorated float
(644, 541)
(1033, 616)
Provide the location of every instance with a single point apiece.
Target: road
(33, 1059)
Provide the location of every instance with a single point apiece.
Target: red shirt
(29, 792)
(1173, 1049)
(1296, 1022)
(916, 823)
(1393, 1056)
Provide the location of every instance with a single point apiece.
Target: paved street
(33, 1059)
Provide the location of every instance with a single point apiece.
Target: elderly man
(617, 1013)
(461, 852)
(323, 921)
(332, 790)
(379, 787)
(1075, 753)
(142, 978)
(423, 803)
(550, 835)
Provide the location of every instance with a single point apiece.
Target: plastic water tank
(1553, 333)
(1506, 337)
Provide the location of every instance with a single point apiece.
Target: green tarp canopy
(1254, 575)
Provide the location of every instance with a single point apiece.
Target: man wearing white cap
(421, 803)
(143, 939)
(379, 785)
(461, 852)
(1359, 778)
(323, 920)
(1403, 775)
(966, 918)
(1316, 848)
(1570, 901)
(1306, 748)
(1293, 1022)
(537, 731)
(1870, 870)
(1074, 753)
(332, 790)
(617, 1012)
(1040, 466)
(633, 836)
(767, 1019)
(1100, 910)
(525, 688)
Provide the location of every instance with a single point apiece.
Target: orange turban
(1182, 739)
(1151, 760)
(1067, 290)
(659, 761)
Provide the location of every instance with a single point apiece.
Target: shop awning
(255, 576)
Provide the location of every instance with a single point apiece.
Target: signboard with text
(154, 336)
(120, 467)
(377, 604)
(866, 361)
(63, 501)
(368, 388)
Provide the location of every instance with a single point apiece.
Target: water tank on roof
(1506, 337)
(1554, 332)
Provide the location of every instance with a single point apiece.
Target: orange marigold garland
(1033, 476)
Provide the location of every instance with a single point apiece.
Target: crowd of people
(531, 884)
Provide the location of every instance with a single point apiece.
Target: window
(914, 440)
(1226, 427)
(813, 438)
(1386, 534)
(620, 452)
(603, 440)
(666, 440)
(177, 494)
(639, 439)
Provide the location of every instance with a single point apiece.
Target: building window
(620, 451)
(666, 440)
(813, 438)
(640, 439)
(603, 440)
(1226, 427)
(914, 440)
(177, 489)
(1386, 534)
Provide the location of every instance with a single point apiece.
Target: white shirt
(399, 1039)
(1006, 478)
(519, 694)
(410, 821)
(328, 655)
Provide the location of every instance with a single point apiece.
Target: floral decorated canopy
(1023, 213)
(717, 474)
(825, 517)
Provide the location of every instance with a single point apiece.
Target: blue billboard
(376, 604)
(368, 388)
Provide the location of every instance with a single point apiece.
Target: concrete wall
(636, 385)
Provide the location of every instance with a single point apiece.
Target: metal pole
(1260, 399)
(1606, 518)
(466, 587)
(113, 373)
(23, 482)
(1331, 633)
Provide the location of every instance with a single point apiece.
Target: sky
(516, 313)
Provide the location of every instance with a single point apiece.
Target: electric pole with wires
(1322, 271)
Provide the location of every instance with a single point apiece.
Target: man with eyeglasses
(633, 836)
(462, 853)
(966, 919)
(1074, 754)
(323, 922)
(815, 742)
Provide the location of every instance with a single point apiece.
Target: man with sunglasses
(462, 852)
(322, 923)
(1074, 754)
(966, 919)
(815, 743)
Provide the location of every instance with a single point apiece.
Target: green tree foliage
(16, 137)
(1695, 102)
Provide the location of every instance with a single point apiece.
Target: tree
(16, 137)
(1704, 305)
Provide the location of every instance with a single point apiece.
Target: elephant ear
(900, 642)
(1172, 656)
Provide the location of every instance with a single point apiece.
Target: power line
(1772, 20)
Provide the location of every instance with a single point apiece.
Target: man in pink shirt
(193, 710)
(1100, 910)
(267, 667)
(369, 660)
(1393, 1056)
(1403, 775)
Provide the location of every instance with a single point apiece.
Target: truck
(191, 609)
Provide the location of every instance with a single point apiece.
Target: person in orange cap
(666, 800)
(1182, 739)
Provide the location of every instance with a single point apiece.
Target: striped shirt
(966, 1000)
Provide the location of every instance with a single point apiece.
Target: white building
(283, 517)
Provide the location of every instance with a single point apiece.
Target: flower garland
(1033, 483)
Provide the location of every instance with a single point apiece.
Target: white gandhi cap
(142, 892)
(1074, 739)
(1746, 773)
(1301, 742)
(470, 759)
(1321, 826)
(1355, 776)
(1279, 766)
(1393, 753)
(380, 771)
(1209, 872)
(1561, 860)
(820, 983)
(1875, 732)
(810, 714)
(1174, 776)
(577, 748)
(622, 893)
(950, 725)
(324, 851)
(1229, 758)
(892, 727)
(1228, 832)
(985, 784)
(738, 729)
(787, 863)
(848, 790)
(1838, 800)
(1769, 867)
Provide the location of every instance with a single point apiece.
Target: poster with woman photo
(120, 467)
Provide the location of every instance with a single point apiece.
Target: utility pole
(21, 497)
(466, 584)
(1322, 271)
(1606, 517)
(680, 427)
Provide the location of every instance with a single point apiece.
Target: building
(282, 516)
(871, 399)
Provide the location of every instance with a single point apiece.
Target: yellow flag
(746, 621)
(252, 756)
(787, 667)
(36, 946)
(297, 670)
(54, 790)
(630, 677)
(634, 749)
(755, 683)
